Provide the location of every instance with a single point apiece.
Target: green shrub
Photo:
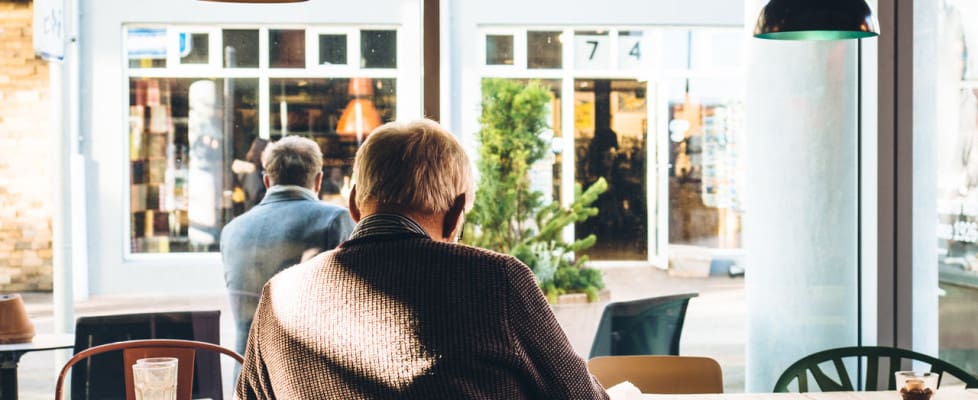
(511, 218)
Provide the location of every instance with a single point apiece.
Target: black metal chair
(649, 326)
(99, 376)
(836, 358)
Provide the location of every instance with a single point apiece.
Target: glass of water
(155, 378)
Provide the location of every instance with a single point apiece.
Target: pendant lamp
(816, 20)
(256, 1)
(360, 116)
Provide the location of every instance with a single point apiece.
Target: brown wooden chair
(132, 350)
(660, 374)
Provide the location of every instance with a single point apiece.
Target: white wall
(104, 103)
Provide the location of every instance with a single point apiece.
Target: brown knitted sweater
(406, 317)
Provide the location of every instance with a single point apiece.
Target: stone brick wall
(26, 191)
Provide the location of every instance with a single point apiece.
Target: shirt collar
(292, 188)
(386, 224)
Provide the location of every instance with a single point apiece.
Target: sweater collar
(386, 224)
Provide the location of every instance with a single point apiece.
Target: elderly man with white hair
(402, 311)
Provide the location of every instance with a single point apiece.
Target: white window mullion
(567, 133)
(353, 49)
(264, 95)
(215, 48)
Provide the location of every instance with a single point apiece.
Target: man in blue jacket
(289, 225)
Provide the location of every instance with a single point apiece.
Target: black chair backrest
(841, 378)
(98, 378)
(649, 326)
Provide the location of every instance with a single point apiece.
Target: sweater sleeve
(555, 369)
(254, 383)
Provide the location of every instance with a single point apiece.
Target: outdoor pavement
(715, 322)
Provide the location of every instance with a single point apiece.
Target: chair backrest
(841, 378)
(660, 374)
(98, 377)
(132, 350)
(649, 326)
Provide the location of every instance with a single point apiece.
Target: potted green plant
(508, 215)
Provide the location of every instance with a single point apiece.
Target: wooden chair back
(184, 350)
(660, 374)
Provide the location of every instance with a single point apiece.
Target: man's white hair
(413, 166)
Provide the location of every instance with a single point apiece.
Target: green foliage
(511, 218)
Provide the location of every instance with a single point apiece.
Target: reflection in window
(544, 49)
(499, 49)
(956, 149)
(146, 47)
(321, 109)
(287, 48)
(195, 147)
(378, 49)
(610, 143)
(241, 48)
(194, 48)
(332, 49)
(180, 158)
(705, 128)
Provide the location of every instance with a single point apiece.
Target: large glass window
(644, 112)
(658, 114)
(200, 115)
(956, 139)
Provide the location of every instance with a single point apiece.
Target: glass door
(610, 142)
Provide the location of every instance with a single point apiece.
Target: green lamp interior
(815, 35)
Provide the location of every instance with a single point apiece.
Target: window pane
(544, 50)
(332, 49)
(287, 48)
(704, 129)
(146, 47)
(953, 111)
(592, 49)
(676, 48)
(336, 113)
(630, 49)
(610, 142)
(378, 49)
(499, 49)
(194, 48)
(183, 185)
(241, 48)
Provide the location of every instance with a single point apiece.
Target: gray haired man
(289, 224)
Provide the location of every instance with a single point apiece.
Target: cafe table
(946, 394)
(10, 356)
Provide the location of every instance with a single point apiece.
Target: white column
(800, 230)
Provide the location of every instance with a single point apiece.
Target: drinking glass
(155, 378)
(915, 385)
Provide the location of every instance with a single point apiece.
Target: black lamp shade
(256, 1)
(816, 20)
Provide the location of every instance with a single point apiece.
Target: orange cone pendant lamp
(360, 116)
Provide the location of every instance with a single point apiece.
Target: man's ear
(452, 217)
(317, 182)
(354, 210)
(266, 180)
